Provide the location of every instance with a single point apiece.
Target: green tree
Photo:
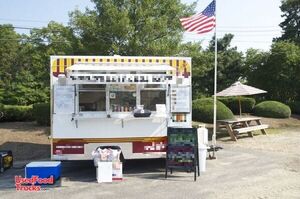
(230, 65)
(277, 72)
(255, 60)
(131, 27)
(25, 62)
(202, 63)
(9, 48)
(291, 23)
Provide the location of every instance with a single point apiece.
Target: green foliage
(247, 104)
(41, 113)
(9, 48)
(272, 109)
(291, 23)
(295, 107)
(230, 65)
(276, 72)
(1, 111)
(24, 71)
(14, 113)
(203, 110)
(138, 27)
(141, 28)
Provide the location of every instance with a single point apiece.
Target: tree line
(147, 28)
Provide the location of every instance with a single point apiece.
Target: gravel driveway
(259, 167)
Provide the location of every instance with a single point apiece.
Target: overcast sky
(254, 22)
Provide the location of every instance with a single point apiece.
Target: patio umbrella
(239, 89)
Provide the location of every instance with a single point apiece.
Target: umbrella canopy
(239, 89)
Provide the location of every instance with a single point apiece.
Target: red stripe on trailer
(68, 148)
(148, 147)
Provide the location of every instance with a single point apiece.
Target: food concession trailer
(94, 100)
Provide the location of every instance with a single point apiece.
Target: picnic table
(242, 125)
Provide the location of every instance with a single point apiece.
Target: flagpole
(214, 141)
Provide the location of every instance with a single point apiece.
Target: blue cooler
(43, 169)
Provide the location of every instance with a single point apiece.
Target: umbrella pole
(240, 106)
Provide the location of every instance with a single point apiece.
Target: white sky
(254, 22)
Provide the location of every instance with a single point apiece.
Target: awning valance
(119, 67)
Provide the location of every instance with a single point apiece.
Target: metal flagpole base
(212, 151)
(213, 156)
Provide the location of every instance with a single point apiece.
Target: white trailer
(93, 98)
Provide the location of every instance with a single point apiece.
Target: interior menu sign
(180, 102)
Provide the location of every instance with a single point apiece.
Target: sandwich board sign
(182, 150)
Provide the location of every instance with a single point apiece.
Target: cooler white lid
(44, 164)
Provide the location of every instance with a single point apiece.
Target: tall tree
(25, 62)
(277, 72)
(131, 27)
(203, 62)
(9, 48)
(230, 64)
(291, 23)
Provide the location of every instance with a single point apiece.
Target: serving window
(152, 95)
(92, 98)
(122, 97)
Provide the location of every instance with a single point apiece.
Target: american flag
(202, 22)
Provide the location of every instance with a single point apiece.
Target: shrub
(13, 113)
(41, 113)
(295, 107)
(272, 109)
(203, 110)
(1, 111)
(232, 103)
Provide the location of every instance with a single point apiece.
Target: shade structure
(239, 89)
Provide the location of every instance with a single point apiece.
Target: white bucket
(202, 136)
(202, 157)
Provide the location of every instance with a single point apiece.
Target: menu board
(182, 149)
(180, 100)
(64, 99)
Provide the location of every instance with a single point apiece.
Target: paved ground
(260, 167)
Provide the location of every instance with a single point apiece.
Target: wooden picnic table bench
(242, 125)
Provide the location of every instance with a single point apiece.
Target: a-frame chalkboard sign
(182, 150)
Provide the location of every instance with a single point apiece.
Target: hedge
(232, 103)
(13, 113)
(295, 107)
(1, 111)
(41, 113)
(272, 109)
(203, 110)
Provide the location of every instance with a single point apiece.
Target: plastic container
(43, 169)
(104, 172)
(202, 157)
(202, 135)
